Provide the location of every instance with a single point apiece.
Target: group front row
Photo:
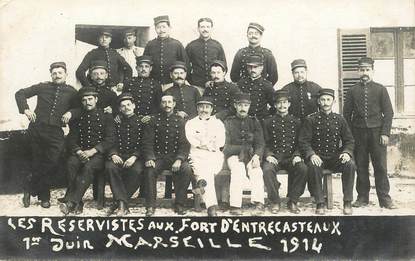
(132, 153)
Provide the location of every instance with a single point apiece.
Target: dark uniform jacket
(53, 100)
(128, 137)
(93, 129)
(164, 53)
(118, 68)
(186, 98)
(281, 136)
(239, 69)
(201, 54)
(262, 94)
(146, 93)
(303, 98)
(326, 135)
(223, 95)
(164, 137)
(244, 138)
(369, 106)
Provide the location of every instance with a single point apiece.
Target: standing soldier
(45, 132)
(368, 110)
(89, 140)
(239, 65)
(165, 51)
(282, 152)
(303, 93)
(130, 51)
(222, 92)
(202, 52)
(327, 143)
(118, 68)
(260, 90)
(125, 165)
(166, 148)
(244, 148)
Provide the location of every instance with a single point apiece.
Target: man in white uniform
(206, 136)
(130, 51)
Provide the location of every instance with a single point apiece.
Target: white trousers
(239, 179)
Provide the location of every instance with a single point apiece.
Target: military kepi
(178, 64)
(144, 59)
(57, 65)
(128, 32)
(326, 91)
(243, 97)
(105, 32)
(205, 100)
(257, 27)
(161, 18)
(219, 63)
(98, 64)
(87, 91)
(280, 94)
(366, 61)
(254, 60)
(298, 63)
(125, 96)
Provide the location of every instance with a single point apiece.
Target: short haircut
(204, 19)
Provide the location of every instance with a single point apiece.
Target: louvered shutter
(352, 45)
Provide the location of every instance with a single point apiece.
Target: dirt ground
(402, 192)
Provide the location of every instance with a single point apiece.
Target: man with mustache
(90, 137)
(206, 136)
(146, 91)
(222, 92)
(244, 148)
(45, 129)
(130, 51)
(118, 68)
(202, 52)
(368, 110)
(282, 152)
(239, 65)
(125, 162)
(166, 148)
(186, 96)
(260, 90)
(165, 51)
(326, 142)
(303, 93)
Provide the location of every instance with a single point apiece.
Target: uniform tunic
(223, 95)
(186, 98)
(146, 93)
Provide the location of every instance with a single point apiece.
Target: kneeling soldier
(281, 152)
(124, 165)
(327, 142)
(89, 140)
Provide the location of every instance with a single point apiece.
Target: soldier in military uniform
(130, 51)
(186, 96)
(260, 90)
(244, 148)
(165, 51)
(303, 93)
(327, 142)
(118, 68)
(282, 152)
(90, 137)
(222, 92)
(125, 164)
(239, 65)
(368, 110)
(145, 90)
(202, 52)
(166, 148)
(46, 136)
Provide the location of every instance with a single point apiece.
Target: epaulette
(266, 50)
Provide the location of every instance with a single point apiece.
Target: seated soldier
(281, 152)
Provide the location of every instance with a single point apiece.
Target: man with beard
(165, 51)
(368, 110)
(125, 165)
(239, 65)
(145, 90)
(130, 52)
(206, 136)
(326, 142)
(222, 92)
(244, 148)
(202, 52)
(303, 93)
(185, 96)
(89, 140)
(166, 148)
(282, 152)
(118, 68)
(45, 132)
(260, 90)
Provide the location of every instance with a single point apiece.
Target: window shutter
(352, 45)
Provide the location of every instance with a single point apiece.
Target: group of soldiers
(139, 113)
